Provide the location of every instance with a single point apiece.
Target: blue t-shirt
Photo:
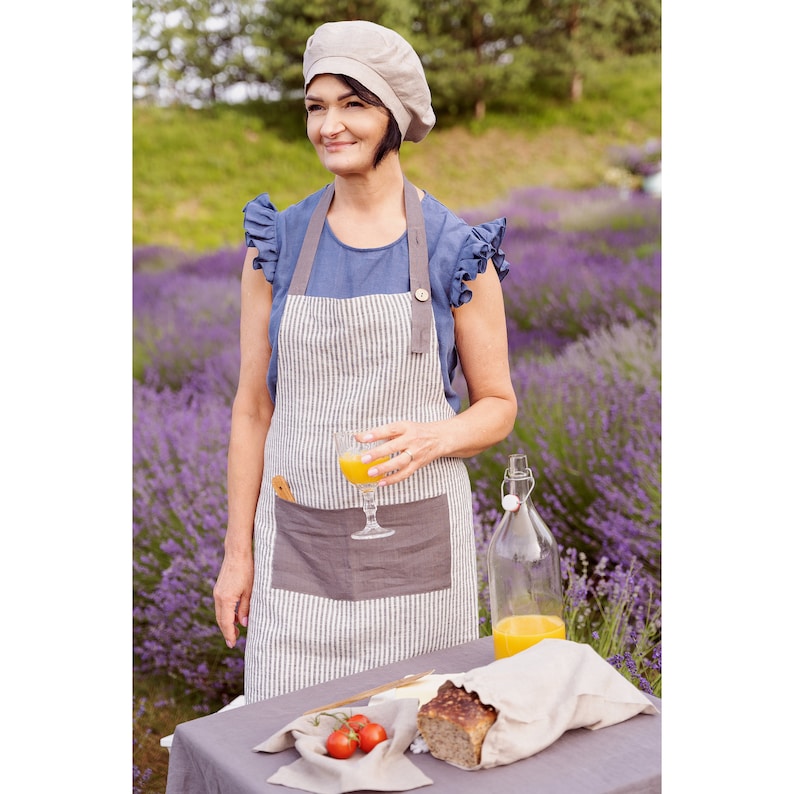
(456, 251)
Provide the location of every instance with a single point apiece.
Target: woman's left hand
(408, 445)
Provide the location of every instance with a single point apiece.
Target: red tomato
(357, 722)
(341, 743)
(371, 735)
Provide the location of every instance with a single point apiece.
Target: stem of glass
(370, 509)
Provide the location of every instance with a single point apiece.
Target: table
(213, 755)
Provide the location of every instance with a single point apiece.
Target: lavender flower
(580, 262)
(179, 509)
(643, 160)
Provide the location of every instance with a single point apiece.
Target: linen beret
(382, 61)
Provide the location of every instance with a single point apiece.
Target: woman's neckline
(349, 247)
(379, 243)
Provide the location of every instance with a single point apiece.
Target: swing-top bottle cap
(510, 502)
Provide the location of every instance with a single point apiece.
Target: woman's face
(345, 131)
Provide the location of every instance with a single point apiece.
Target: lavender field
(583, 301)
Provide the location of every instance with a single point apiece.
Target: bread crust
(454, 724)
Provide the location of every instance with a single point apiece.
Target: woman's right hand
(232, 593)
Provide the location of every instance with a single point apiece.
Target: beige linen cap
(382, 61)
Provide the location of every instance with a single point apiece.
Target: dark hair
(393, 138)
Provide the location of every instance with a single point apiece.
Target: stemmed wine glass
(349, 452)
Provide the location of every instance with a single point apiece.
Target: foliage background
(476, 54)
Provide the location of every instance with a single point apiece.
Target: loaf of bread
(453, 725)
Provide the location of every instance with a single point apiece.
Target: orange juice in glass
(356, 471)
(518, 632)
(349, 451)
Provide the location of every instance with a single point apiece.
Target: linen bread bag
(515, 707)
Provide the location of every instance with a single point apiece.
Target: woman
(358, 304)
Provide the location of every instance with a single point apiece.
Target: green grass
(158, 707)
(194, 170)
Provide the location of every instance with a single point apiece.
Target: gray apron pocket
(315, 554)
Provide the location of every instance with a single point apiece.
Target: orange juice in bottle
(518, 632)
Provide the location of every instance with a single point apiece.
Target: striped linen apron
(325, 605)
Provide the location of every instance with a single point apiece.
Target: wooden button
(421, 294)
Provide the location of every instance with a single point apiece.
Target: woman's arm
(251, 413)
(481, 340)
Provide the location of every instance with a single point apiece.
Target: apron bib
(325, 605)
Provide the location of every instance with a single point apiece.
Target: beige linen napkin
(552, 687)
(385, 768)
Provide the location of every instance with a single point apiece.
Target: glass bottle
(524, 578)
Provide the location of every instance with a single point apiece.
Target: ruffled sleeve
(483, 243)
(259, 222)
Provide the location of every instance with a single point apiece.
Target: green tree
(287, 24)
(195, 50)
(639, 27)
(572, 34)
(473, 51)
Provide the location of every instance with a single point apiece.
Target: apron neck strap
(421, 305)
(303, 269)
(419, 269)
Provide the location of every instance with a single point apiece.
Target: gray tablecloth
(213, 754)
